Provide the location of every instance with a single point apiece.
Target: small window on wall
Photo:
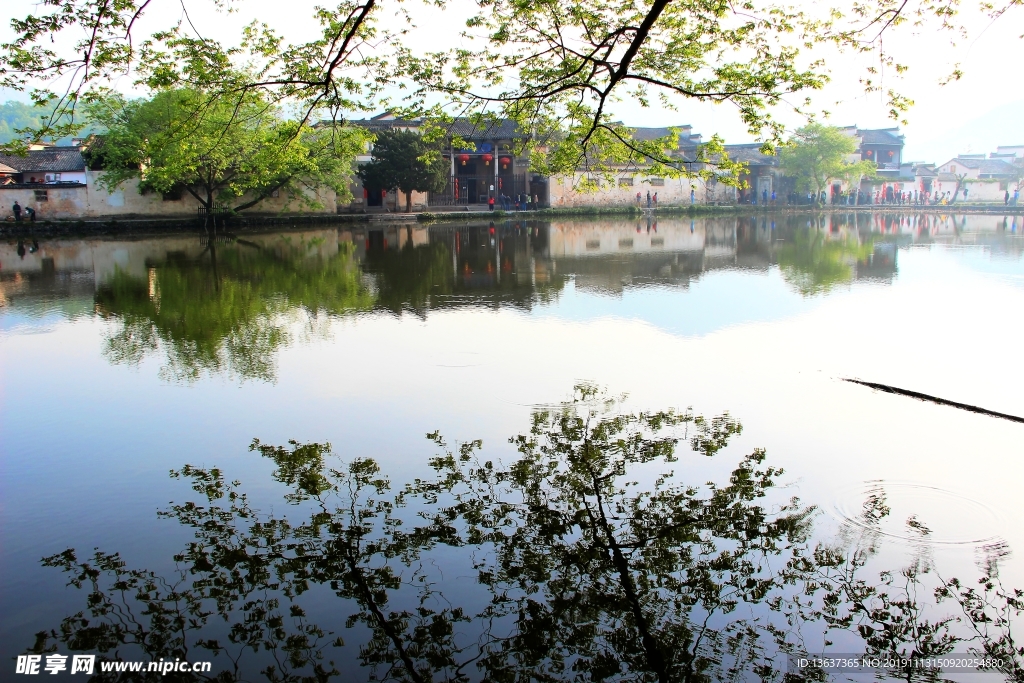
(41, 195)
(658, 182)
(626, 181)
(53, 177)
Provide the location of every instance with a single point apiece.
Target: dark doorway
(539, 189)
(373, 197)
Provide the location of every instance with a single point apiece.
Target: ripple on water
(918, 513)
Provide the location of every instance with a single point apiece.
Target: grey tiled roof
(48, 160)
(988, 166)
(880, 136)
(751, 154)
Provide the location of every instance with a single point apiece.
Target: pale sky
(983, 109)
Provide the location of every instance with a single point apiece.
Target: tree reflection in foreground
(591, 560)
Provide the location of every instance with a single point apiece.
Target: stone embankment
(129, 225)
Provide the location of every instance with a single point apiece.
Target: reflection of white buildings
(605, 255)
(83, 265)
(616, 254)
(581, 240)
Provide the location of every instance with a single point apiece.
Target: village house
(45, 164)
(491, 164)
(978, 167)
(986, 179)
(1014, 153)
(883, 146)
(496, 164)
(762, 175)
(633, 180)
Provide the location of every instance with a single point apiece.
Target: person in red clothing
(490, 203)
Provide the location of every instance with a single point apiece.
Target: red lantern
(505, 161)
(487, 159)
(463, 158)
(870, 154)
(890, 154)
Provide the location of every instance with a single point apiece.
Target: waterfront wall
(92, 200)
(565, 191)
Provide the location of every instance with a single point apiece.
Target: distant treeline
(16, 115)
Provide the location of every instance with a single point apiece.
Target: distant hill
(15, 115)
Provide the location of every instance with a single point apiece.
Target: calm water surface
(125, 360)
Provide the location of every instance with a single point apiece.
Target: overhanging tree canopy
(556, 68)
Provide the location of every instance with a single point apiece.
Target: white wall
(96, 201)
(564, 191)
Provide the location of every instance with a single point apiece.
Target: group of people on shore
(652, 200)
(888, 197)
(521, 202)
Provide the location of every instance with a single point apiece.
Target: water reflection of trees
(814, 260)
(227, 310)
(590, 560)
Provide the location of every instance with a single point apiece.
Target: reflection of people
(17, 210)
(21, 248)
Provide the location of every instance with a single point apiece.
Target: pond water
(136, 375)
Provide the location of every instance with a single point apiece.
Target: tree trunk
(956, 192)
(408, 201)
